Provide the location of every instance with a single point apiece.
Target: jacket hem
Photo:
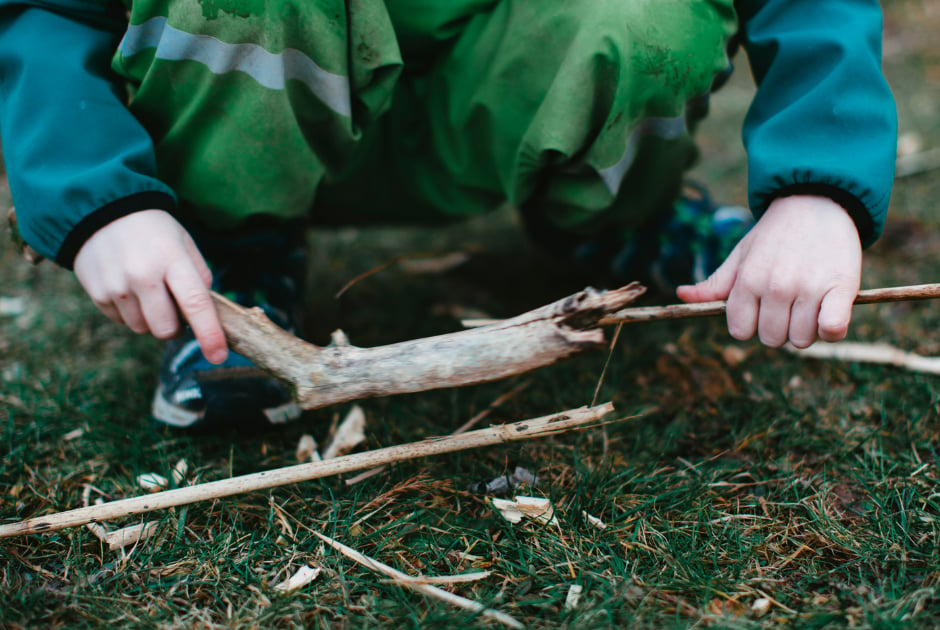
(118, 208)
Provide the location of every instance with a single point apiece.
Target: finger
(195, 256)
(129, 309)
(742, 313)
(835, 313)
(716, 286)
(159, 312)
(773, 322)
(804, 315)
(193, 299)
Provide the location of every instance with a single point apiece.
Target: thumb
(716, 286)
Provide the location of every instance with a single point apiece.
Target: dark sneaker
(682, 246)
(691, 244)
(263, 269)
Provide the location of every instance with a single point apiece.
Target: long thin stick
(405, 580)
(581, 418)
(705, 309)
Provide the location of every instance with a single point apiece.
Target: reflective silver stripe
(268, 69)
(183, 354)
(665, 128)
(172, 415)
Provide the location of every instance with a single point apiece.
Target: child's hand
(140, 267)
(795, 275)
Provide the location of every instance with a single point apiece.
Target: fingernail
(218, 357)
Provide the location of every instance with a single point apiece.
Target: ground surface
(765, 490)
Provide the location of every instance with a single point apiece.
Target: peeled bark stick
(576, 419)
(703, 309)
(340, 372)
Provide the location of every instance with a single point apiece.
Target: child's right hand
(138, 269)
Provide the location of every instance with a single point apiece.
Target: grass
(807, 489)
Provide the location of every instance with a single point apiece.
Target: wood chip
(307, 449)
(179, 472)
(349, 434)
(574, 596)
(536, 508)
(74, 434)
(152, 482)
(593, 520)
(304, 576)
(760, 607)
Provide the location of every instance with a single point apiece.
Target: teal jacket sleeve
(823, 120)
(75, 156)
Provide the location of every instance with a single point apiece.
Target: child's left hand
(794, 276)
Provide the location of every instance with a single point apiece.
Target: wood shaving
(349, 434)
(304, 576)
(152, 482)
(74, 434)
(593, 520)
(574, 596)
(307, 449)
(178, 474)
(760, 607)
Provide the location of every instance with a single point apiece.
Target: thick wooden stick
(705, 309)
(576, 419)
(323, 376)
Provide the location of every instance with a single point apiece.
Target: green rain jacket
(823, 120)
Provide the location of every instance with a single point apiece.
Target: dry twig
(419, 583)
(581, 418)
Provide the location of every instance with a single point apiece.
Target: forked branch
(323, 376)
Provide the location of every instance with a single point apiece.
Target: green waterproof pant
(422, 110)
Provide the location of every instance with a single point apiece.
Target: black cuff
(852, 204)
(150, 200)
